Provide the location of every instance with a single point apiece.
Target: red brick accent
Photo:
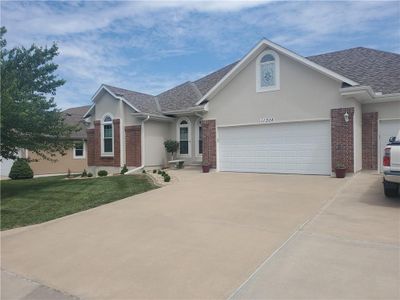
(342, 138)
(370, 141)
(113, 161)
(90, 147)
(209, 143)
(133, 145)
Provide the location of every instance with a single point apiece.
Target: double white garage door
(302, 148)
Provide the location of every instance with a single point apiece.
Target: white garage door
(302, 148)
(387, 129)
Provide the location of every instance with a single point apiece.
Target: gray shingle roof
(378, 69)
(143, 102)
(74, 116)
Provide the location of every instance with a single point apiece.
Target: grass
(33, 201)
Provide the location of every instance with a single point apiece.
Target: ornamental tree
(30, 118)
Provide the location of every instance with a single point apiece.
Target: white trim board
(255, 52)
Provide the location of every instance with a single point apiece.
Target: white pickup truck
(391, 167)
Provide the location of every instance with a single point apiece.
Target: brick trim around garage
(370, 141)
(342, 138)
(133, 145)
(209, 143)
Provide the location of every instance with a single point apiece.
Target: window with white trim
(267, 71)
(184, 136)
(107, 136)
(79, 150)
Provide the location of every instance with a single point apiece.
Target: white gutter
(142, 142)
(365, 94)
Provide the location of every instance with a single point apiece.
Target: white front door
(387, 129)
(300, 147)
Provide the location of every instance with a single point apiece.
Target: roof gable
(255, 52)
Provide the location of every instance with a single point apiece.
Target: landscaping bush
(89, 174)
(159, 172)
(167, 178)
(171, 146)
(84, 173)
(144, 171)
(102, 173)
(124, 170)
(163, 173)
(20, 170)
(154, 171)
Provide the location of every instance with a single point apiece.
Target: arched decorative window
(184, 136)
(267, 71)
(199, 137)
(107, 136)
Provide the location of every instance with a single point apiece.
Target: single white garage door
(301, 147)
(386, 129)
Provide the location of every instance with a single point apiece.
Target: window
(267, 71)
(107, 136)
(79, 150)
(184, 136)
(199, 137)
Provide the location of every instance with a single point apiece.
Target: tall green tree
(30, 118)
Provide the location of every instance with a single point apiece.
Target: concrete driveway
(206, 235)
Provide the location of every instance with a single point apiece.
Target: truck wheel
(391, 191)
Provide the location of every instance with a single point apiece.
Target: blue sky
(151, 46)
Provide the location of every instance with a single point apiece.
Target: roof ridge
(131, 91)
(196, 89)
(349, 49)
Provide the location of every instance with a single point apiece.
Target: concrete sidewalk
(350, 250)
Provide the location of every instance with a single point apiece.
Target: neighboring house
(75, 159)
(272, 111)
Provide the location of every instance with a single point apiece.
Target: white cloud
(123, 43)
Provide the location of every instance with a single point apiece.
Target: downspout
(142, 148)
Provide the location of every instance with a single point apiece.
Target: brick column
(209, 143)
(342, 138)
(370, 141)
(97, 143)
(133, 145)
(90, 145)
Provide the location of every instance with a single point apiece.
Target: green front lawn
(32, 201)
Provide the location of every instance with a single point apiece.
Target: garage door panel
(277, 148)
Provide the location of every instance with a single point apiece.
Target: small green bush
(102, 173)
(167, 178)
(124, 170)
(20, 170)
(84, 173)
(89, 174)
(154, 171)
(163, 173)
(159, 172)
(144, 171)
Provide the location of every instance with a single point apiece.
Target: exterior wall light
(346, 117)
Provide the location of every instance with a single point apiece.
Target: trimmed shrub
(124, 170)
(163, 173)
(144, 171)
(167, 178)
(154, 171)
(84, 173)
(102, 173)
(159, 172)
(20, 170)
(89, 174)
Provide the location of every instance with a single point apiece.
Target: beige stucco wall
(304, 94)
(386, 110)
(155, 134)
(61, 166)
(357, 137)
